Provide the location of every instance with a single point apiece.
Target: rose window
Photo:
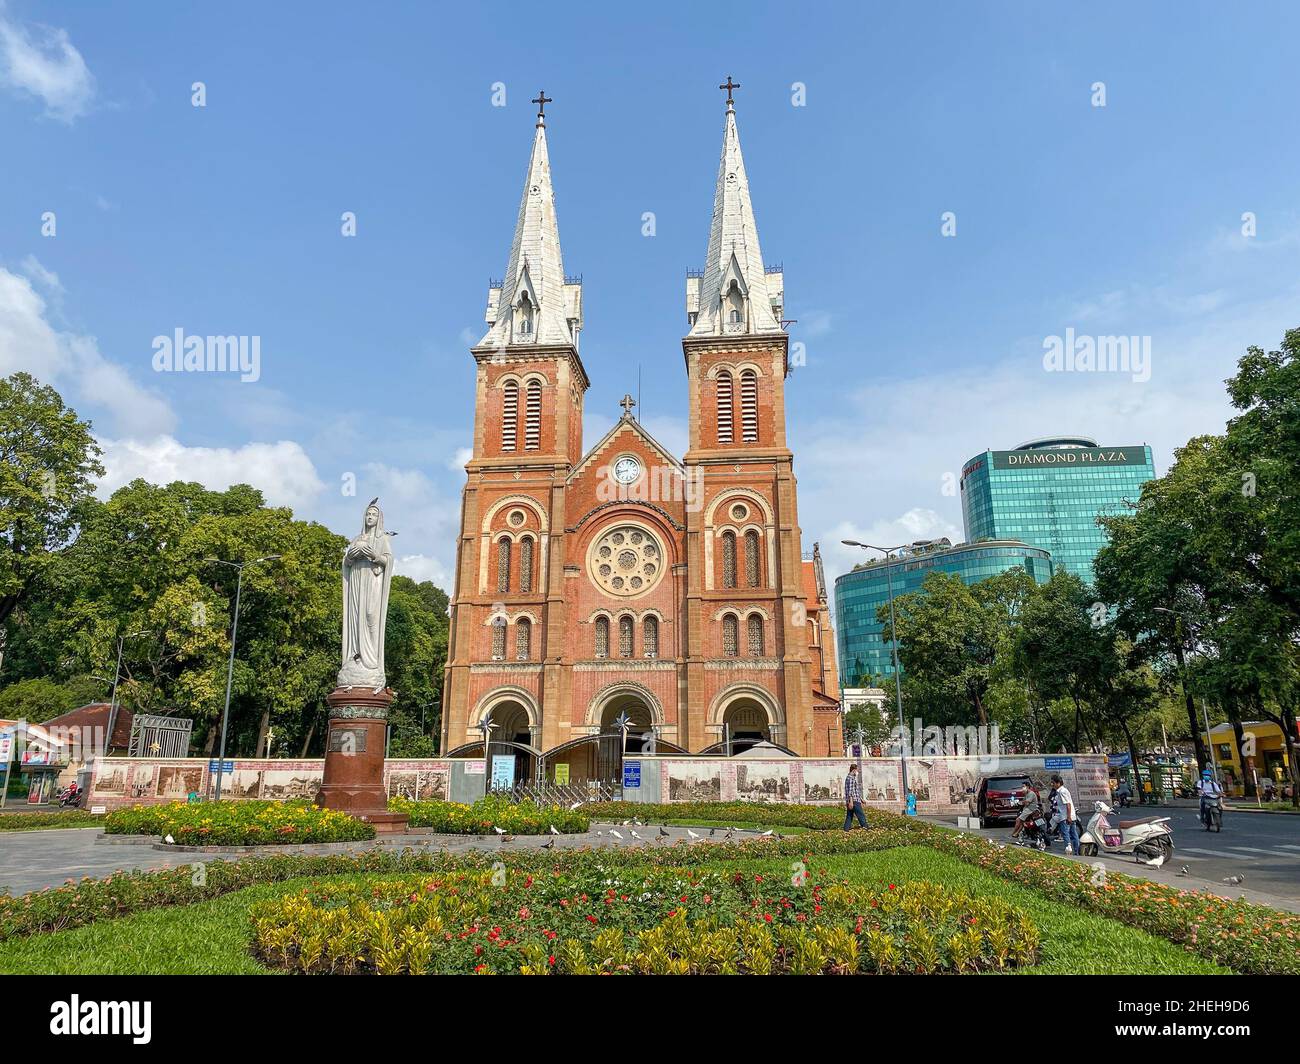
(626, 560)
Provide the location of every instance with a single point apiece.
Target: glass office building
(864, 653)
(1049, 493)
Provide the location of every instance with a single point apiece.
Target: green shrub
(68, 818)
(494, 811)
(242, 823)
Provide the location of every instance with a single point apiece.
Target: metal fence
(546, 793)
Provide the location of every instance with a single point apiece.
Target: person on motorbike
(1208, 789)
(1123, 795)
(1031, 809)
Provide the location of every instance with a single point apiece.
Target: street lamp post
(1205, 713)
(893, 643)
(230, 667)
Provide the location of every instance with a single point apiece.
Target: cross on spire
(627, 403)
(729, 86)
(541, 99)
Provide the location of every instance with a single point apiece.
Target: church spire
(533, 304)
(733, 294)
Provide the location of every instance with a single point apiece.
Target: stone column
(353, 781)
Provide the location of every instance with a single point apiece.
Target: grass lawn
(212, 937)
(44, 820)
(780, 829)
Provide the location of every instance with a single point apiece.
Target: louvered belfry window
(749, 406)
(503, 564)
(602, 637)
(730, 635)
(755, 623)
(526, 565)
(509, 416)
(523, 639)
(625, 637)
(533, 417)
(728, 559)
(498, 638)
(650, 637)
(725, 408)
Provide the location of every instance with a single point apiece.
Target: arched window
(755, 624)
(726, 407)
(523, 639)
(602, 637)
(730, 635)
(509, 415)
(650, 637)
(749, 406)
(728, 559)
(625, 637)
(533, 417)
(751, 559)
(524, 316)
(503, 564)
(498, 638)
(526, 564)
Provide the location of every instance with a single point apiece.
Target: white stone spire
(734, 294)
(533, 305)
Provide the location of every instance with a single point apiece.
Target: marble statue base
(353, 781)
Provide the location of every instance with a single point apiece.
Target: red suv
(999, 799)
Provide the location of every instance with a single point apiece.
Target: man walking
(1063, 810)
(853, 799)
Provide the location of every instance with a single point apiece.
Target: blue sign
(503, 772)
(1119, 760)
(631, 774)
(215, 766)
(1057, 764)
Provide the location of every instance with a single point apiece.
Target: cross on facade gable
(541, 99)
(627, 403)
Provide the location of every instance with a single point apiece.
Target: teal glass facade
(859, 594)
(1050, 495)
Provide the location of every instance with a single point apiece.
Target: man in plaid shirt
(853, 799)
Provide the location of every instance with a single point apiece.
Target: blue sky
(921, 349)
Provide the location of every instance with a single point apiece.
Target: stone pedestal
(354, 758)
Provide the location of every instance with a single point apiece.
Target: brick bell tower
(507, 615)
(743, 542)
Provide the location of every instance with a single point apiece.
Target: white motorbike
(1148, 838)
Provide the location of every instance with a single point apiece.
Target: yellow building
(1269, 753)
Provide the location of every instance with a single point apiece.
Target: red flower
(592, 920)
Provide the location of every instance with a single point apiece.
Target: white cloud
(41, 61)
(35, 271)
(456, 463)
(421, 567)
(72, 362)
(282, 470)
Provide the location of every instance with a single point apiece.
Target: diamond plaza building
(626, 584)
(1050, 492)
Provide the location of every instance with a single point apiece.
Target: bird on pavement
(663, 833)
(499, 831)
(168, 839)
(691, 833)
(728, 834)
(712, 832)
(574, 806)
(1184, 871)
(1156, 862)
(1235, 880)
(765, 834)
(632, 832)
(614, 832)
(548, 844)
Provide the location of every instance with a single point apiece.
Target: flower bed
(610, 920)
(487, 814)
(811, 817)
(245, 823)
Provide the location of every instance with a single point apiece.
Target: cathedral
(626, 597)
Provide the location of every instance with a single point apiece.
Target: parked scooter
(70, 797)
(1148, 838)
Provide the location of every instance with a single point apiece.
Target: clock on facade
(627, 469)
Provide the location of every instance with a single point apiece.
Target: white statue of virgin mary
(367, 574)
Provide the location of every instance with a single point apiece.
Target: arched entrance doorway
(512, 731)
(745, 721)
